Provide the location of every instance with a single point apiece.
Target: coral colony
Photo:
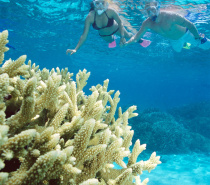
(52, 133)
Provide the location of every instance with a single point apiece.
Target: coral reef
(194, 116)
(52, 133)
(171, 133)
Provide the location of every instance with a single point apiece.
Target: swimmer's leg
(108, 39)
(142, 42)
(111, 40)
(203, 43)
(127, 35)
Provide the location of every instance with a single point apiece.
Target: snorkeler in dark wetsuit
(107, 22)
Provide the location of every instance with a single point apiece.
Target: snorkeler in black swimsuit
(109, 24)
(114, 25)
(100, 12)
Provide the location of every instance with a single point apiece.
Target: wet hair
(151, 2)
(91, 6)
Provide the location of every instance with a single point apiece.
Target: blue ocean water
(171, 90)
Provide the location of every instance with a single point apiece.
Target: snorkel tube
(100, 6)
(153, 9)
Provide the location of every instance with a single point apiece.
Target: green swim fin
(187, 45)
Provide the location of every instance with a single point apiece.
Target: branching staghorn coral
(55, 134)
(3, 42)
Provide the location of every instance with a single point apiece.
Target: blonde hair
(122, 14)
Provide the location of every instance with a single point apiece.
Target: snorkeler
(108, 23)
(172, 26)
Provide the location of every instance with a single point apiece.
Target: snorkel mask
(100, 6)
(152, 9)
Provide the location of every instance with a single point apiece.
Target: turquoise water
(171, 90)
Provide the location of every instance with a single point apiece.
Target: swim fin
(187, 45)
(112, 44)
(144, 43)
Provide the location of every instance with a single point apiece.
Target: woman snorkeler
(107, 21)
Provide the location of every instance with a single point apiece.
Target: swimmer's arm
(85, 33)
(119, 22)
(178, 19)
(139, 34)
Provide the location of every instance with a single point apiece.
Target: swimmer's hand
(71, 51)
(124, 44)
(122, 41)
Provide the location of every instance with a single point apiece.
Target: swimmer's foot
(205, 43)
(112, 44)
(144, 43)
(204, 40)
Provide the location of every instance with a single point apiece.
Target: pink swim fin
(112, 44)
(145, 43)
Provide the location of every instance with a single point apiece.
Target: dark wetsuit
(109, 24)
